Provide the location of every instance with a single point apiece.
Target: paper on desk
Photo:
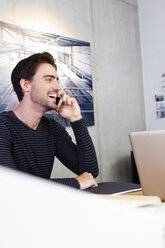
(127, 191)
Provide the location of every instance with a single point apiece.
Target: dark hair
(26, 68)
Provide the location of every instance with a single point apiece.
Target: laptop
(149, 153)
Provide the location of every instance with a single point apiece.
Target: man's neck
(28, 114)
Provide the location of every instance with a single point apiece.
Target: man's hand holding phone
(68, 107)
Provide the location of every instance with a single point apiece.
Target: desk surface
(139, 192)
(137, 198)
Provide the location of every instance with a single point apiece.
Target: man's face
(44, 84)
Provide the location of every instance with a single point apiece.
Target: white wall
(118, 78)
(113, 30)
(152, 24)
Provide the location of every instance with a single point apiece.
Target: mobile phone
(58, 102)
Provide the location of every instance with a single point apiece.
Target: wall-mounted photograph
(73, 59)
(160, 105)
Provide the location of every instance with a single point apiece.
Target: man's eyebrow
(52, 76)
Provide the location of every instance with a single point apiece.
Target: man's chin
(51, 107)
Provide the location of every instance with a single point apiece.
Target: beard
(41, 98)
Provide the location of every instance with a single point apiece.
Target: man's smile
(53, 97)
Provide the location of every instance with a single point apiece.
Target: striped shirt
(33, 151)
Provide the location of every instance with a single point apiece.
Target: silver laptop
(149, 153)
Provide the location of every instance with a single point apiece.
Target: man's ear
(25, 85)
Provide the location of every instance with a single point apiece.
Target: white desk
(36, 213)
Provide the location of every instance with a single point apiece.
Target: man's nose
(57, 85)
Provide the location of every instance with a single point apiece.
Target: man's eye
(48, 79)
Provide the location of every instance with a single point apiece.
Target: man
(29, 141)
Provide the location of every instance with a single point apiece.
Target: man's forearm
(85, 149)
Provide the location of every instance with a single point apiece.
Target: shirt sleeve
(79, 157)
(72, 182)
(6, 158)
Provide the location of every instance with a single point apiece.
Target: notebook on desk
(149, 153)
(115, 188)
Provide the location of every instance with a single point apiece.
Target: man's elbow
(96, 172)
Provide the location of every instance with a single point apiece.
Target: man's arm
(84, 181)
(85, 149)
(81, 157)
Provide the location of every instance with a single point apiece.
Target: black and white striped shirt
(33, 151)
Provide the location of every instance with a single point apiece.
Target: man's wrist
(75, 118)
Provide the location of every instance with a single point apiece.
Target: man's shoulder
(5, 122)
(5, 116)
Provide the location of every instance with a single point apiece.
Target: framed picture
(73, 59)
